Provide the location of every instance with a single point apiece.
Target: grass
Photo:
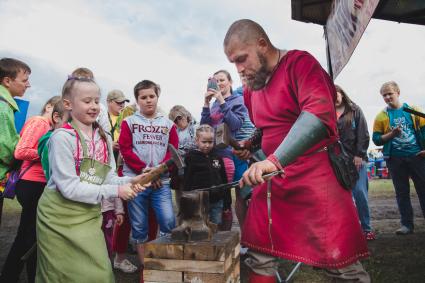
(393, 258)
(11, 206)
(384, 188)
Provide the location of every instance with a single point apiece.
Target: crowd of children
(81, 193)
(77, 211)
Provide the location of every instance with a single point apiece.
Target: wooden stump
(215, 261)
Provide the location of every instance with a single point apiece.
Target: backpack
(14, 177)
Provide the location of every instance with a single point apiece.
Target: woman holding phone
(228, 109)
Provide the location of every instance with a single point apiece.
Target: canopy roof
(402, 11)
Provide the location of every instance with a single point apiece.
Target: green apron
(70, 243)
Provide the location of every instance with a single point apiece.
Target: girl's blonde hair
(83, 72)
(204, 128)
(66, 94)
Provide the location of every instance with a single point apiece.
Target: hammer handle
(233, 143)
(153, 174)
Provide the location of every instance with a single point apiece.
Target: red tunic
(313, 219)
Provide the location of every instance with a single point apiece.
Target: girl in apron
(70, 242)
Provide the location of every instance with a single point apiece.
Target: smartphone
(212, 84)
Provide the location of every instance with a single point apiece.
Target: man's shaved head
(246, 31)
(247, 45)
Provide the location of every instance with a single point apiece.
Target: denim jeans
(401, 168)
(216, 212)
(360, 196)
(161, 202)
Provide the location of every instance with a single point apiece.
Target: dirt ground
(393, 258)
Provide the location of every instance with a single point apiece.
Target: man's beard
(260, 77)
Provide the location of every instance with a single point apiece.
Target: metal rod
(414, 112)
(236, 183)
(297, 266)
(279, 279)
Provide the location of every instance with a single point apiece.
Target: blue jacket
(232, 112)
(247, 129)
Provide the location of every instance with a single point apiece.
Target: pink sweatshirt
(26, 149)
(114, 204)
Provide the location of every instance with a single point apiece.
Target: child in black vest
(204, 168)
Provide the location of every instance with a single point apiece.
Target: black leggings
(28, 193)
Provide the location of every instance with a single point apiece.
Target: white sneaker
(125, 266)
(403, 230)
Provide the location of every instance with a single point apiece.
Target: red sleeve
(173, 140)
(314, 89)
(247, 102)
(33, 130)
(126, 148)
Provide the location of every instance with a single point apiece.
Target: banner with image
(346, 23)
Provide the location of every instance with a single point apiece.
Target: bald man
(304, 215)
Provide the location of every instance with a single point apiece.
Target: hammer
(156, 171)
(224, 139)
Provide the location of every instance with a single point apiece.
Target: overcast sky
(178, 44)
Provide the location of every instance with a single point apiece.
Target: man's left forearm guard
(307, 131)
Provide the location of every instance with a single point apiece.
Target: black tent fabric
(402, 11)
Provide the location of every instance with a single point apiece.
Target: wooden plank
(163, 276)
(236, 272)
(185, 265)
(220, 246)
(237, 251)
(202, 251)
(205, 277)
(228, 263)
(230, 276)
(165, 248)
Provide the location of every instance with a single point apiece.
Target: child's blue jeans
(216, 212)
(161, 202)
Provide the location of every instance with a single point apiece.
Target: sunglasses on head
(80, 78)
(120, 103)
